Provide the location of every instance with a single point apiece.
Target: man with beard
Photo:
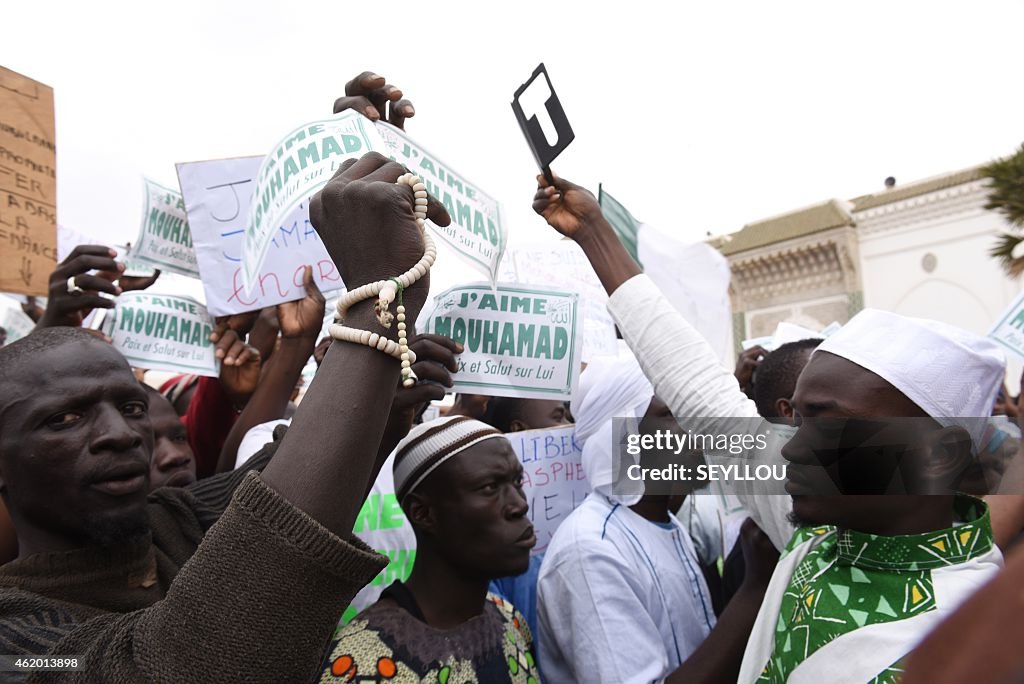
(199, 584)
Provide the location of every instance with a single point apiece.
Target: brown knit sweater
(236, 585)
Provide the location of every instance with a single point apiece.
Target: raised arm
(260, 597)
(675, 357)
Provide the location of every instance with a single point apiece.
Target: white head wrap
(610, 387)
(952, 374)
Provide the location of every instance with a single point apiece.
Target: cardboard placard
(164, 332)
(477, 232)
(165, 240)
(1008, 332)
(28, 185)
(295, 170)
(519, 341)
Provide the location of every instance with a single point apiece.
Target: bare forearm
(328, 457)
(719, 657)
(271, 397)
(610, 260)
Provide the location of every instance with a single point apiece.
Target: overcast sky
(699, 117)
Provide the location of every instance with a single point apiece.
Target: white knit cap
(952, 374)
(432, 443)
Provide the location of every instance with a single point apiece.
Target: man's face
(831, 391)
(75, 446)
(173, 463)
(479, 511)
(539, 414)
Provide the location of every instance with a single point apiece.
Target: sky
(699, 117)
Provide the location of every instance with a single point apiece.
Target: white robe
(620, 599)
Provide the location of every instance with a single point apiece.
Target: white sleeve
(592, 625)
(675, 357)
(687, 376)
(255, 439)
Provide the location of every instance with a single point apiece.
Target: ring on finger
(73, 288)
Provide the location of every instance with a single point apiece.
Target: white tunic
(620, 598)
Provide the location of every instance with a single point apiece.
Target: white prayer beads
(387, 291)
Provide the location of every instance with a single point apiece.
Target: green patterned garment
(851, 579)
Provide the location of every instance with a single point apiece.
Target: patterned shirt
(843, 582)
(390, 642)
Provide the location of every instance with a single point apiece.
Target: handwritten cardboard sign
(1009, 330)
(477, 232)
(28, 185)
(164, 332)
(553, 479)
(519, 341)
(217, 196)
(298, 166)
(165, 240)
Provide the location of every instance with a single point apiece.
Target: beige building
(919, 249)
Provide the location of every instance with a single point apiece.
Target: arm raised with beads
(368, 223)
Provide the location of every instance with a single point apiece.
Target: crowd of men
(202, 530)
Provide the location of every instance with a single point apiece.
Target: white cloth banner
(1009, 330)
(564, 266)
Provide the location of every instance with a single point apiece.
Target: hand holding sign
(568, 208)
(542, 120)
(369, 94)
(302, 319)
(366, 222)
(75, 288)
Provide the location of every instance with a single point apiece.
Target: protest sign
(1009, 331)
(164, 332)
(217, 196)
(165, 240)
(298, 166)
(28, 185)
(477, 232)
(564, 266)
(13, 320)
(382, 526)
(519, 341)
(553, 479)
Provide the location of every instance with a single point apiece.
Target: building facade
(919, 250)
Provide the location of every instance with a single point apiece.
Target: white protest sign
(519, 341)
(477, 232)
(563, 265)
(296, 168)
(13, 320)
(164, 332)
(553, 478)
(1009, 331)
(164, 240)
(217, 197)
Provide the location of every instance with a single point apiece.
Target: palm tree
(1006, 195)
